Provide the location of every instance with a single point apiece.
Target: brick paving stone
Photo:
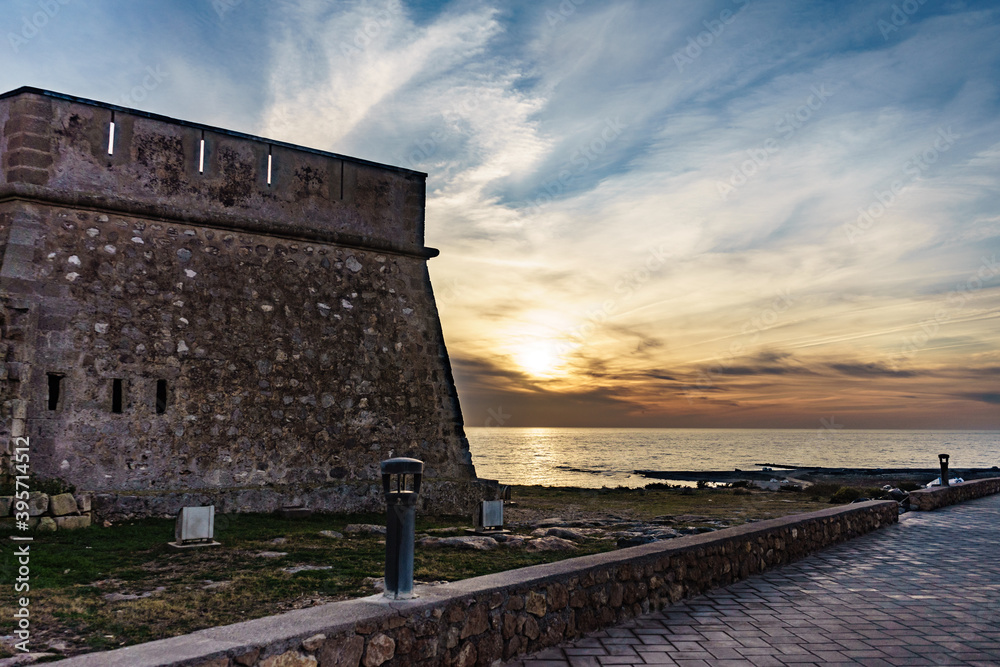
(923, 592)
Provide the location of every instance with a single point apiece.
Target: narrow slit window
(269, 165)
(201, 155)
(161, 396)
(111, 135)
(116, 396)
(55, 390)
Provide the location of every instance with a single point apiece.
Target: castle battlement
(90, 154)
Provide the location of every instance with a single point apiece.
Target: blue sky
(734, 213)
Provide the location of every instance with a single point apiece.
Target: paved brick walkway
(924, 592)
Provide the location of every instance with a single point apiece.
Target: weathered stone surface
(380, 649)
(332, 534)
(466, 656)
(38, 503)
(534, 603)
(550, 544)
(575, 534)
(247, 659)
(470, 542)
(83, 502)
(6, 505)
(475, 621)
(290, 659)
(46, 524)
(364, 528)
(314, 642)
(62, 504)
(342, 652)
(73, 522)
(217, 662)
(213, 332)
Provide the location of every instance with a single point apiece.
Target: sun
(538, 358)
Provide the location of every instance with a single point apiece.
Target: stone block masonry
(941, 496)
(497, 617)
(186, 309)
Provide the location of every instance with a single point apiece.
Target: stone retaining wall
(940, 496)
(46, 512)
(486, 619)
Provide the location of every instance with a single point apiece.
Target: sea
(598, 457)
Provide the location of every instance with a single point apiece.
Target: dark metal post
(401, 517)
(943, 458)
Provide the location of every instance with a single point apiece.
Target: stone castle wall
(168, 329)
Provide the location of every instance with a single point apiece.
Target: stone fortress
(192, 315)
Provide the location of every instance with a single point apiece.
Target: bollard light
(943, 458)
(401, 517)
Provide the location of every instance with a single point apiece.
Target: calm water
(593, 457)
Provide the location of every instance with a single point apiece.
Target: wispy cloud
(636, 199)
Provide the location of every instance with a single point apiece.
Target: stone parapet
(924, 500)
(496, 617)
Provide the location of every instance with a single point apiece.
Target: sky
(733, 213)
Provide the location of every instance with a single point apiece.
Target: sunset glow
(788, 221)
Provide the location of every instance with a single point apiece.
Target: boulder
(38, 503)
(47, 525)
(63, 504)
(83, 502)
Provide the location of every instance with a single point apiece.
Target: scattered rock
(279, 540)
(378, 584)
(305, 568)
(368, 528)
(574, 534)
(121, 597)
(60, 646)
(550, 543)
(332, 534)
(548, 523)
(515, 542)
(439, 531)
(271, 554)
(215, 585)
(634, 541)
(472, 542)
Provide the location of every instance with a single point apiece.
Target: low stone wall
(940, 496)
(63, 511)
(496, 617)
